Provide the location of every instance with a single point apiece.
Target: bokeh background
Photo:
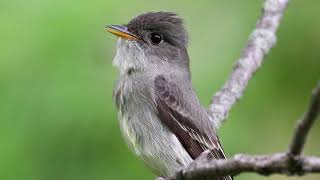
(57, 119)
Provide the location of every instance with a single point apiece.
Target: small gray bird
(160, 116)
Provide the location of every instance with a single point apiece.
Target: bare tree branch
(262, 39)
(304, 125)
(263, 164)
(291, 163)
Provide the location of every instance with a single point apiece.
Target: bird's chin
(129, 56)
(127, 43)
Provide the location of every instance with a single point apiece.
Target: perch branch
(262, 39)
(264, 164)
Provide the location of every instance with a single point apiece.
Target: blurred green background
(57, 119)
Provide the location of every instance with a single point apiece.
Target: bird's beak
(121, 31)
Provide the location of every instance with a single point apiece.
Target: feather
(174, 114)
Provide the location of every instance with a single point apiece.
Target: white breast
(153, 143)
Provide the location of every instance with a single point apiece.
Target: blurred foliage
(57, 119)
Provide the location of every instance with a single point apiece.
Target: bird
(159, 113)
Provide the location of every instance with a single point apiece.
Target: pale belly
(159, 149)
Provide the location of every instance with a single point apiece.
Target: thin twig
(304, 125)
(262, 39)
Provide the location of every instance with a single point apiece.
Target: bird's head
(154, 39)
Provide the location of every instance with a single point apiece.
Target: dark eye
(156, 38)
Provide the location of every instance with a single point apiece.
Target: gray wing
(187, 120)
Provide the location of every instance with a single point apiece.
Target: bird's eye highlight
(156, 38)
